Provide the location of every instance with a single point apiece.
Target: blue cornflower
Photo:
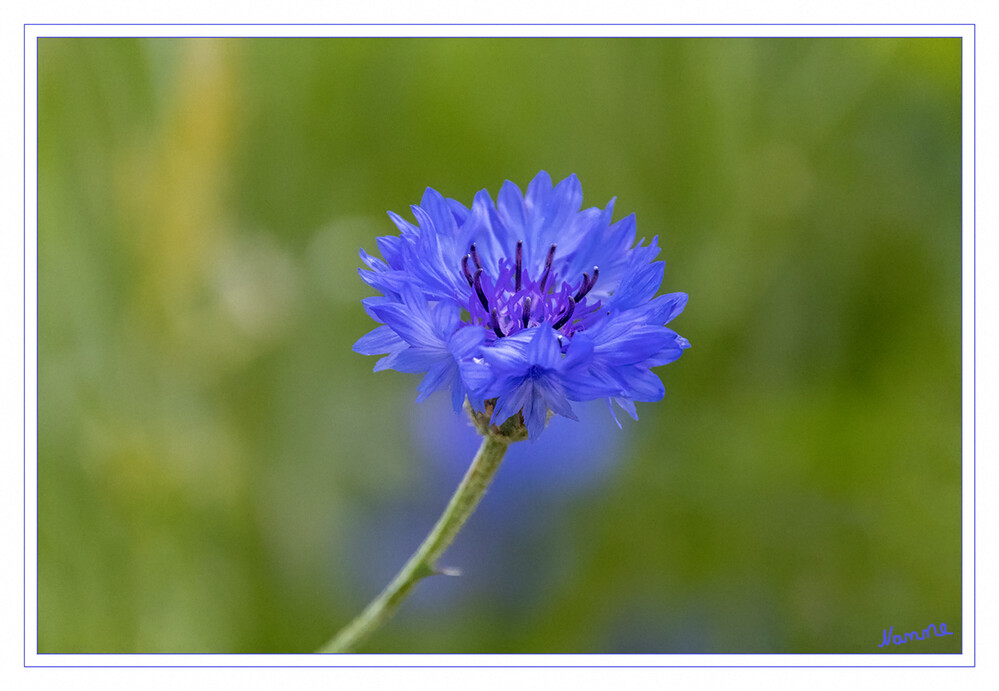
(523, 304)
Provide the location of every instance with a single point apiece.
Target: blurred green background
(218, 472)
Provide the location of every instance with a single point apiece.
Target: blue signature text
(900, 639)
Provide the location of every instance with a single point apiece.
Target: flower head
(526, 303)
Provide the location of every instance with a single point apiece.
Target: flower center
(513, 300)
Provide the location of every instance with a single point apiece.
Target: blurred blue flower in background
(528, 302)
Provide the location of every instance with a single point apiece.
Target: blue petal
(438, 376)
(510, 205)
(579, 354)
(543, 350)
(385, 281)
(407, 229)
(509, 355)
(639, 286)
(369, 303)
(535, 413)
(477, 377)
(665, 307)
(417, 360)
(635, 345)
(664, 357)
(372, 262)
(563, 203)
(458, 210)
(510, 403)
(628, 406)
(416, 321)
(478, 228)
(642, 384)
(670, 352)
(391, 248)
(591, 385)
(466, 342)
(437, 208)
(555, 398)
(610, 407)
(625, 230)
(381, 340)
(416, 329)
(444, 318)
(457, 394)
(538, 193)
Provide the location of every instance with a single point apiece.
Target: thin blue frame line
(498, 36)
(520, 654)
(974, 371)
(24, 424)
(24, 349)
(500, 667)
(523, 654)
(974, 342)
(24, 433)
(499, 24)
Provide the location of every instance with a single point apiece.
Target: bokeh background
(218, 472)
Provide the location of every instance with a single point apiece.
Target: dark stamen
(475, 256)
(520, 259)
(565, 317)
(548, 268)
(581, 293)
(464, 269)
(496, 327)
(527, 311)
(587, 285)
(477, 282)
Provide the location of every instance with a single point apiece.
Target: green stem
(495, 442)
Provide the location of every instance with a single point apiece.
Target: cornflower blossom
(523, 304)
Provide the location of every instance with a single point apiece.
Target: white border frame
(966, 32)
